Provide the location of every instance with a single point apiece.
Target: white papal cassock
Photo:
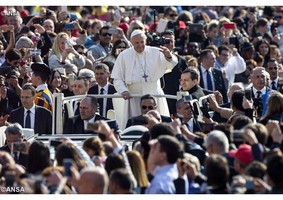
(139, 73)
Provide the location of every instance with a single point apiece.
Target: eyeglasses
(149, 107)
(105, 34)
(173, 15)
(121, 47)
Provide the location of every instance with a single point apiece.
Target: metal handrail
(59, 99)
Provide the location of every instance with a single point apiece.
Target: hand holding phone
(229, 25)
(248, 94)
(67, 163)
(38, 20)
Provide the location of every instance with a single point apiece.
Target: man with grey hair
(89, 75)
(15, 137)
(216, 142)
(258, 89)
(141, 73)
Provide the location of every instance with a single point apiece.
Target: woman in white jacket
(63, 53)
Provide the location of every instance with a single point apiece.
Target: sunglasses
(149, 107)
(105, 34)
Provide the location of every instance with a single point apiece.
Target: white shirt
(87, 121)
(191, 125)
(32, 116)
(76, 106)
(263, 91)
(105, 91)
(204, 77)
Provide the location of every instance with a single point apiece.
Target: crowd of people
(230, 142)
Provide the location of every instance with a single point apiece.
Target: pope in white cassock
(137, 70)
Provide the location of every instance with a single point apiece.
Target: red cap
(182, 24)
(243, 154)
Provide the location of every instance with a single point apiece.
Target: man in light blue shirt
(164, 153)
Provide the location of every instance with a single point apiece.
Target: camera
(248, 94)
(187, 98)
(35, 52)
(38, 21)
(48, 13)
(156, 41)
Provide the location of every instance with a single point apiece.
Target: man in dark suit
(272, 67)
(190, 82)
(78, 123)
(258, 79)
(211, 78)
(102, 75)
(170, 81)
(14, 134)
(147, 103)
(185, 113)
(31, 115)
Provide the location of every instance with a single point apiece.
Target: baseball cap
(243, 154)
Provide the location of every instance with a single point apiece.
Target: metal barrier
(59, 101)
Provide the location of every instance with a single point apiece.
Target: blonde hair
(56, 45)
(133, 26)
(274, 104)
(138, 168)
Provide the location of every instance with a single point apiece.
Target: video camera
(156, 41)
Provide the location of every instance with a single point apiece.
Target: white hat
(136, 32)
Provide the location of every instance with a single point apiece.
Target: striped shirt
(44, 98)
